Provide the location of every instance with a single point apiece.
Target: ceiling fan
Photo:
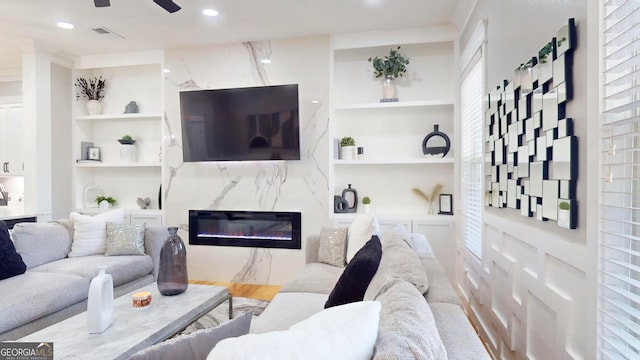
(168, 5)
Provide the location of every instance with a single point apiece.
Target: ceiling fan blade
(102, 3)
(168, 5)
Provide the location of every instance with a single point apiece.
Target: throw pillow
(90, 232)
(407, 328)
(197, 344)
(360, 231)
(40, 243)
(333, 246)
(357, 275)
(342, 332)
(125, 239)
(11, 263)
(398, 260)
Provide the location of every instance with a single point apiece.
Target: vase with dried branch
(430, 198)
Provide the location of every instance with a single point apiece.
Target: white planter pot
(564, 218)
(366, 208)
(348, 153)
(94, 107)
(128, 152)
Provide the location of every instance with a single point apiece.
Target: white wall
(280, 186)
(61, 195)
(530, 294)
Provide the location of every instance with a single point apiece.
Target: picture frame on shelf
(94, 153)
(446, 204)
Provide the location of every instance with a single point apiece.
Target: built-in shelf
(107, 117)
(97, 210)
(427, 160)
(113, 165)
(394, 105)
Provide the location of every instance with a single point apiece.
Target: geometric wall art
(531, 152)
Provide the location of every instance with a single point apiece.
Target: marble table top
(132, 329)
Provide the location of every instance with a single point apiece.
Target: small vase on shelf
(389, 90)
(94, 107)
(172, 274)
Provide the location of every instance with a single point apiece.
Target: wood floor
(260, 292)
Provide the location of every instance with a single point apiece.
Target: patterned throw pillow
(90, 232)
(125, 239)
(11, 263)
(333, 246)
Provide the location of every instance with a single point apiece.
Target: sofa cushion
(360, 231)
(286, 309)
(122, 268)
(125, 239)
(198, 344)
(90, 232)
(11, 263)
(407, 329)
(314, 278)
(353, 282)
(440, 288)
(333, 246)
(40, 243)
(341, 332)
(459, 337)
(398, 260)
(33, 295)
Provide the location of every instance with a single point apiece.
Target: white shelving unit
(392, 133)
(129, 77)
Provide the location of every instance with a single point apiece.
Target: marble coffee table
(132, 329)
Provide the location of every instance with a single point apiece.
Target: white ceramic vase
(128, 152)
(100, 302)
(94, 107)
(348, 152)
(366, 208)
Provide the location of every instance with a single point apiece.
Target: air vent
(103, 30)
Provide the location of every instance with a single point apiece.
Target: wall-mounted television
(240, 124)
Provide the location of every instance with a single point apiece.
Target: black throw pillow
(357, 275)
(11, 263)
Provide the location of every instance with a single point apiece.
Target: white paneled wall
(527, 294)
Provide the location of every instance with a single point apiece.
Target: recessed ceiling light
(210, 12)
(65, 25)
(166, 71)
(266, 61)
(315, 101)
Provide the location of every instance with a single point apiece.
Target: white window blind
(619, 248)
(472, 159)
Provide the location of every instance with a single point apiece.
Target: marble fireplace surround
(257, 229)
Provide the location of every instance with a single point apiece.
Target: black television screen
(253, 123)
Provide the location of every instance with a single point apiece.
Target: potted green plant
(93, 91)
(366, 204)
(106, 202)
(390, 68)
(127, 149)
(347, 148)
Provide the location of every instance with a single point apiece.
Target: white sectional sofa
(55, 286)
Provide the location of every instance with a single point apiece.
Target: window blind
(472, 158)
(619, 247)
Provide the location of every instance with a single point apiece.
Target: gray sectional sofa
(306, 293)
(55, 286)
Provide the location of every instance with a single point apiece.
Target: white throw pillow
(341, 332)
(360, 231)
(90, 232)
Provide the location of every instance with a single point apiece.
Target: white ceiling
(29, 24)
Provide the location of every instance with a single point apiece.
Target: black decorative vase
(172, 274)
(352, 193)
(435, 150)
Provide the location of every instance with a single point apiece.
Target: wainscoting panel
(526, 293)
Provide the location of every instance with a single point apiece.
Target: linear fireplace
(268, 229)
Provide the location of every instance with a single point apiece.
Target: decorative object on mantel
(430, 198)
(530, 140)
(100, 302)
(105, 202)
(351, 196)
(446, 204)
(143, 203)
(393, 66)
(91, 194)
(127, 149)
(172, 273)
(366, 204)
(347, 148)
(91, 89)
(340, 205)
(131, 108)
(435, 150)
